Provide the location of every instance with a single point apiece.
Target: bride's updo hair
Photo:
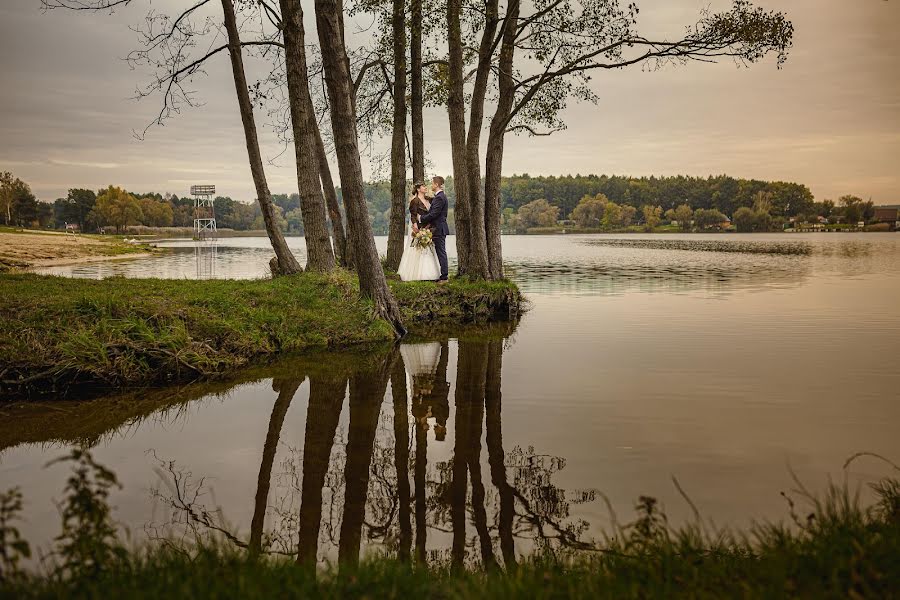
(415, 189)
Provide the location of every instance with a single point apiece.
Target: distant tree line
(586, 201)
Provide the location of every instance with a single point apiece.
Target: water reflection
(374, 484)
(206, 256)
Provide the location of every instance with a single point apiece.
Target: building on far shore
(887, 214)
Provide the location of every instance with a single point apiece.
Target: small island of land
(71, 336)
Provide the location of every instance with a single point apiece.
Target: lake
(731, 364)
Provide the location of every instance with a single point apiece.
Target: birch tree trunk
(397, 229)
(335, 64)
(284, 258)
(320, 256)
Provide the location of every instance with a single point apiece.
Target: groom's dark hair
(438, 180)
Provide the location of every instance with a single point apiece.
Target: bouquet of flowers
(422, 239)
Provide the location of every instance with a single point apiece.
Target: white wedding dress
(419, 264)
(422, 358)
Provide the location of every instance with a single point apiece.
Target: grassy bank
(60, 334)
(838, 548)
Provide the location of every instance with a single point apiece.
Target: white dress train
(419, 264)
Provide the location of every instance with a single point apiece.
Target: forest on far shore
(116, 208)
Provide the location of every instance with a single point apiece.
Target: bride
(419, 263)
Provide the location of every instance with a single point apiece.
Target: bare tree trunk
(456, 109)
(418, 122)
(372, 282)
(397, 230)
(341, 251)
(320, 256)
(492, 180)
(478, 252)
(286, 391)
(287, 263)
(494, 161)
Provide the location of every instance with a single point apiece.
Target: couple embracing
(425, 259)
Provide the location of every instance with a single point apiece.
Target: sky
(830, 118)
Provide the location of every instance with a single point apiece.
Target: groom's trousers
(440, 247)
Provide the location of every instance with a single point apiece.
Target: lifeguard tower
(204, 212)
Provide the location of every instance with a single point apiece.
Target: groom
(437, 218)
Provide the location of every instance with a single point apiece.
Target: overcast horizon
(830, 119)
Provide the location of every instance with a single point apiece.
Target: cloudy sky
(830, 118)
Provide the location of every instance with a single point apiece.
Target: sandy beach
(43, 249)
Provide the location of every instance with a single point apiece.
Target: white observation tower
(204, 212)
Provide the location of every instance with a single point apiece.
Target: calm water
(723, 361)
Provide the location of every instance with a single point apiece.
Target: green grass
(60, 333)
(840, 550)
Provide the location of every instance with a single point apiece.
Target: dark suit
(437, 218)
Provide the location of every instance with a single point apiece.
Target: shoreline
(71, 337)
(61, 262)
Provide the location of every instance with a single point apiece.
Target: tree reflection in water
(344, 487)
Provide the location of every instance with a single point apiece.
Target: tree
(670, 216)
(747, 220)
(156, 213)
(762, 221)
(397, 231)
(456, 112)
(320, 256)
(167, 45)
(284, 258)
(23, 205)
(118, 208)
(569, 40)
(589, 212)
(417, 97)
(6, 195)
(709, 218)
(79, 203)
(652, 216)
(684, 215)
(627, 216)
(852, 209)
(372, 282)
(744, 219)
(612, 215)
(478, 261)
(17, 201)
(537, 214)
(44, 214)
(762, 202)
